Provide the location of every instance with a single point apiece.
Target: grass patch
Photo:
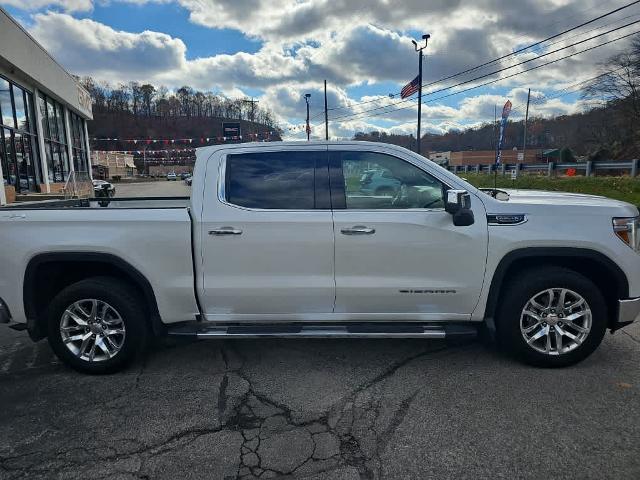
(626, 189)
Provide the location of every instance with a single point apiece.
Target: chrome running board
(356, 330)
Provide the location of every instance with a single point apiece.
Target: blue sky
(277, 50)
(173, 20)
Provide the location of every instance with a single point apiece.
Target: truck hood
(564, 199)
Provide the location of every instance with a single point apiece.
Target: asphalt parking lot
(320, 409)
(159, 188)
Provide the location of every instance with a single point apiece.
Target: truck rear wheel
(551, 317)
(97, 325)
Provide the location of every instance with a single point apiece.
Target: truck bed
(152, 235)
(101, 203)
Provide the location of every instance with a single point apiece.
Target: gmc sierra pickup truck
(290, 240)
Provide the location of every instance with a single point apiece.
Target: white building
(43, 114)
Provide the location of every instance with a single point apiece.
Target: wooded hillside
(135, 111)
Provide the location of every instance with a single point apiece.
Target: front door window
(378, 181)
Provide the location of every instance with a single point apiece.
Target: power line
(574, 87)
(492, 81)
(506, 68)
(516, 52)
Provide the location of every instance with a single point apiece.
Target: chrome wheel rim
(555, 321)
(92, 330)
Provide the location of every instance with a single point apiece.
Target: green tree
(566, 155)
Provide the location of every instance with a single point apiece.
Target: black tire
(514, 298)
(118, 295)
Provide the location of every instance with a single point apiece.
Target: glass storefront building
(18, 138)
(43, 115)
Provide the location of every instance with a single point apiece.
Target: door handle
(358, 230)
(225, 231)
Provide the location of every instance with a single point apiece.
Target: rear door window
(273, 180)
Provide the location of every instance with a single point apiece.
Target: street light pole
(326, 113)
(306, 98)
(419, 50)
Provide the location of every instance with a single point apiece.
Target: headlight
(628, 230)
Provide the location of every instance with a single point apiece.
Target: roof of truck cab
(226, 146)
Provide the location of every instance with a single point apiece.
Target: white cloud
(88, 47)
(348, 43)
(66, 5)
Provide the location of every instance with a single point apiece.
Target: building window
(18, 141)
(78, 143)
(55, 138)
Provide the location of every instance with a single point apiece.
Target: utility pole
(306, 99)
(419, 50)
(526, 119)
(495, 121)
(252, 117)
(495, 149)
(326, 113)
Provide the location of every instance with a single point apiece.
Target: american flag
(410, 88)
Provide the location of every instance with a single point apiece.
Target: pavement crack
(631, 336)
(222, 395)
(225, 359)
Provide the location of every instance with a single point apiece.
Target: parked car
(271, 244)
(379, 182)
(171, 176)
(102, 188)
(184, 175)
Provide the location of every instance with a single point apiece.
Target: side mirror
(457, 200)
(458, 204)
(463, 218)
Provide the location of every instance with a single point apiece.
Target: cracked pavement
(320, 409)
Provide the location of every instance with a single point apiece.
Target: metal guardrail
(631, 167)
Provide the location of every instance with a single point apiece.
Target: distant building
(43, 115)
(551, 155)
(109, 165)
(441, 158)
(488, 157)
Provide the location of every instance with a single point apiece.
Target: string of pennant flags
(148, 152)
(170, 161)
(168, 141)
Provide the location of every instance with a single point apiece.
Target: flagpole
(495, 163)
(419, 99)
(419, 50)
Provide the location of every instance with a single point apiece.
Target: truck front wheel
(551, 317)
(97, 325)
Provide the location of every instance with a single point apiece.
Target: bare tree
(147, 91)
(147, 100)
(136, 97)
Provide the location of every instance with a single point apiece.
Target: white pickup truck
(347, 239)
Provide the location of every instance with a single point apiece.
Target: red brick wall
(488, 157)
